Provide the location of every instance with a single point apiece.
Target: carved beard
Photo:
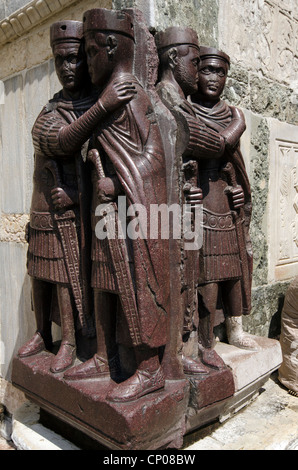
(186, 80)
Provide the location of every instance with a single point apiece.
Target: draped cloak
(130, 140)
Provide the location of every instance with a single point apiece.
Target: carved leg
(232, 299)
(207, 300)
(104, 362)
(66, 354)
(42, 339)
(148, 377)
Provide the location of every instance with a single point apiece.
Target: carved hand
(108, 189)
(62, 199)
(193, 195)
(237, 197)
(116, 94)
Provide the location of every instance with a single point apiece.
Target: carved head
(178, 50)
(213, 71)
(109, 38)
(67, 44)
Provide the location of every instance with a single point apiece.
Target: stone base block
(151, 422)
(161, 419)
(249, 366)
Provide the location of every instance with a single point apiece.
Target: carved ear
(112, 45)
(172, 55)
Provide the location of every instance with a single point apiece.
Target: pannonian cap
(176, 36)
(102, 19)
(66, 31)
(212, 53)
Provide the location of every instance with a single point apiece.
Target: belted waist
(41, 220)
(213, 221)
(44, 220)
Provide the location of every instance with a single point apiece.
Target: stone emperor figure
(131, 290)
(226, 255)
(179, 50)
(58, 256)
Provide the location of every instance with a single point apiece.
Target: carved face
(186, 69)
(212, 78)
(99, 64)
(70, 65)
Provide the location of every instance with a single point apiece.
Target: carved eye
(221, 72)
(73, 59)
(206, 70)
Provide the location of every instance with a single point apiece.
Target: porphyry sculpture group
(95, 268)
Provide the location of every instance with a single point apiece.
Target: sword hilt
(230, 170)
(52, 166)
(94, 157)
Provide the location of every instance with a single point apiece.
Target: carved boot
(64, 358)
(67, 351)
(148, 378)
(206, 343)
(212, 359)
(42, 339)
(237, 337)
(34, 346)
(140, 384)
(94, 367)
(193, 366)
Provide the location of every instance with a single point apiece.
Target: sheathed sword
(238, 216)
(118, 250)
(65, 221)
(190, 169)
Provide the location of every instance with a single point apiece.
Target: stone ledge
(26, 18)
(249, 366)
(29, 434)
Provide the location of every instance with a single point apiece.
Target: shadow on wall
(275, 324)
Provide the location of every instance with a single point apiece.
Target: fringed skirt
(219, 257)
(45, 258)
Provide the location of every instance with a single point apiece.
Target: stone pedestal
(250, 369)
(160, 419)
(151, 422)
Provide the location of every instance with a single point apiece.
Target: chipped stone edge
(27, 17)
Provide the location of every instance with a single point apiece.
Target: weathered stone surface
(259, 178)
(261, 95)
(248, 366)
(268, 423)
(267, 301)
(12, 227)
(263, 38)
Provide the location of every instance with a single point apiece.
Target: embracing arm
(53, 137)
(235, 129)
(203, 141)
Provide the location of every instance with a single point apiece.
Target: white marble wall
(283, 201)
(261, 35)
(24, 96)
